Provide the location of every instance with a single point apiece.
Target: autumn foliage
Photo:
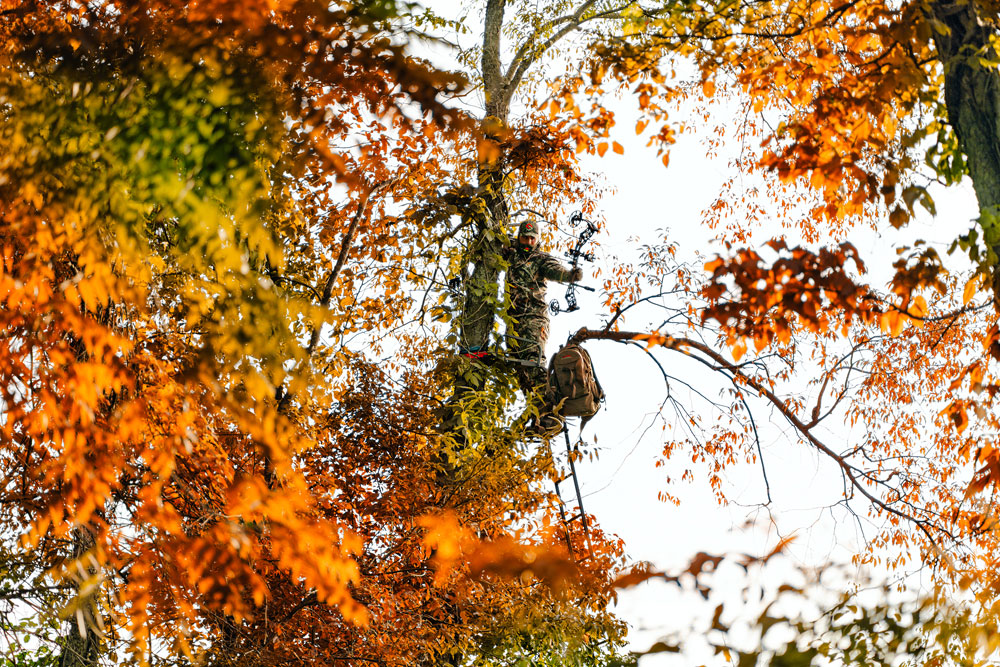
(241, 242)
(199, 456)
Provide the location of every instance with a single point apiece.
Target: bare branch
(345, 248)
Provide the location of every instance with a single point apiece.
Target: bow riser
(576, 254)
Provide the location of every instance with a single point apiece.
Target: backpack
(572, 388)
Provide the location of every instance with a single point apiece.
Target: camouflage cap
(528, 228)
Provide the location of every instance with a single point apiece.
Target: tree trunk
(972, 98)
(481, 290)
(82, 642)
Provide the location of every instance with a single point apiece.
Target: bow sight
(576, 254)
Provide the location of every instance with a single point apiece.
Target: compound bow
(576, 254)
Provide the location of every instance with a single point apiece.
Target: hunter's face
(527, 242)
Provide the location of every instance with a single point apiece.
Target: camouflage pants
(526, 344)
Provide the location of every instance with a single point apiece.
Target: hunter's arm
(552, 269)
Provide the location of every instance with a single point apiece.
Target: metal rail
(581, 514)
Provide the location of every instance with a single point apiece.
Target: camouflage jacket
(527, 273)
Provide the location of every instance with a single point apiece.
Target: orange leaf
(714, 264)
(893, 322)
(898, 217)
(960, 417)
(617, 147)
(602, 148)
(488, 151)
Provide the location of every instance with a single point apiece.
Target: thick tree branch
(20, 593)
(492, 76)
(526, 55)
(284, 398)
(684, 345)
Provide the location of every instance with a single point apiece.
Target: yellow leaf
(970, 290)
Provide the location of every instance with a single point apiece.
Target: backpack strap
(593, 373)
(550, 379)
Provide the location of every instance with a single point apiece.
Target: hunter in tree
(528, 270)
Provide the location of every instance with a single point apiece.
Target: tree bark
(972, 99)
